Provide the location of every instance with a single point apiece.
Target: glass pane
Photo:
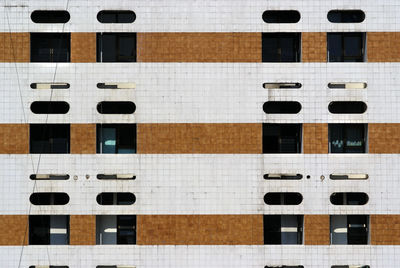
(108, 48)
(127, 47)
(354, 138)
(336, 140)
(109, 140)
(352, 46)
(288, 50)
(335, 47)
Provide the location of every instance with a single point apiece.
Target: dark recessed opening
(283, 229)
(116, 138)
(283, 198)
(49, 138)
(42, 229)
(116, 16)
(281, 138)
(346, 47)
(49, 107)
(49, 198)
(115, 229)
(116, 199)
(349, 198)
(282, 107)
(347, 85)
(116, 107)
(348, 266)
(283, 176)
(281, 16)
(285, 266)
(116, 47)
(347, 107)
(51, 266)
(49, 176)
(347, 138)
(50, 16)
(281, 85)
(281, 47)
(348, 176)
(50, 47)
(346, 16)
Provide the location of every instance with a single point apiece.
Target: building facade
(207, 133)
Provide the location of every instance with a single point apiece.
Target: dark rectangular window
(48, 230)
(50, 47)
(116, 138)
(281, 138)
(49, 138)
(281, 47)
(283, 229)
(126, 229)
(349, 229)
(347, 138)
(116, 47)
(346, 47)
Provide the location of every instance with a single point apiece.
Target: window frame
(342, 57)
(118, 57)
(296, 42)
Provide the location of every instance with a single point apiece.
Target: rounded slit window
(281, 16)
(346, 16)
(277, 176)
(352, 198)
(116, 199)
(283, 198)
(282, 107)
(347, 107)
(50, 16)
(116, 16)
(49, 107)
(116, 107)
(49, 199)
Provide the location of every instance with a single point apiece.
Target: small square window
(349, 229)
(116, 138)
(283, 229)
(347, 138)
(116, 47)
(281, 47)
(281, 138)
(115, 229)
(346, 47)
(48, 230)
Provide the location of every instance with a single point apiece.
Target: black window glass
(116, 138)
(357, 229)
(347, 107)
(281, 16)
(126, 231)
(281, 47)
(272, 229)
(346, 47)
(49, 198)
(50, 47)
(116, 47)
(351, 198)
(116, 16)
(39, 230)
(347, 138)
(282, 107)
(50, 16)
(283, 198)
(346, 16)
(116, 107)
(49, 138)
(49, 107)
(281, 138)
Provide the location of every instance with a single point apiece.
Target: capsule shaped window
(116, 176)
(49, 176)
(352, 198)
(116, 198)
(116, 107)
(281, 16)
(50, 16)
(49, 107)
(346, 16)
(116, 16)
(282, 176)
(282, 107)
(348, 176)
(347, 107)
(49, 199)
(50, 85)
(281, 85)
(283, 198)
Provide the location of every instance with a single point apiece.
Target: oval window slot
(349, 85)
(116, 85)
(50, 16)
(116, 176)
(347, 107)
(49, 107)
(115, 266)
(282, 107)
(281, 85)
(49, 176)
(349, 199)
(49, 85)
(116, 107)
(116, 16)
(346, 16)
(281, 16)
(282, 176)
(348, 176)
(49, 199)
(283, 198)
(116, 199)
